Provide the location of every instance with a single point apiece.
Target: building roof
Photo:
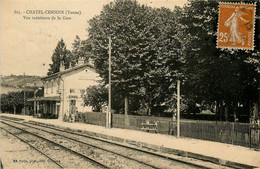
(55, 75)
(54, 98)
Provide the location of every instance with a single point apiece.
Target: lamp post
(25, 87)
(34, 103)
(24, 100)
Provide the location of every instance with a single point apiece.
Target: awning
(55, 98)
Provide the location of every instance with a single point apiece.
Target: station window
(47, 87)
(58, 86)
(72, 90)
(52, 86)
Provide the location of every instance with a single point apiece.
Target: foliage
(212, 75)
(60, 53)
(14, 101)
(96, 96)
(143, 49)
(152, 48)
(80, 117)
(163, 69)
(80, 49)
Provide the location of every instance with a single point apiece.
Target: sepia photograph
(130, 84)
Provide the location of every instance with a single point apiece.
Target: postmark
(236, 26)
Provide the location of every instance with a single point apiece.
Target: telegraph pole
(109, 85)
(178, 108)
(24, 100)
(24, 97)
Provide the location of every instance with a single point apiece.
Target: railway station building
(64, 90)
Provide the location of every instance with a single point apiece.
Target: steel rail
(90, 145)
(117, 144)
(12, 118)
(124, 146)
(64, 147)
(53, 127)
(57, 163)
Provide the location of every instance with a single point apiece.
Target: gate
(255, 135)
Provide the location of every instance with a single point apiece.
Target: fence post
(232, 132)
(216, 136)
(250, 140)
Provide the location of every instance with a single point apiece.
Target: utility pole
(109, 85)
(24, 98)
(178, 108)
(34, 102)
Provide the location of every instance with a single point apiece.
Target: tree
(142, 37)
(14, 101)
(96, 96)
(214, 76)
(5, 104)
(60, 54)
(80, 48)
(163, 67)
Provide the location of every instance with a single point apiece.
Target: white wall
(69, 87)
(74, 82)
(51, 88)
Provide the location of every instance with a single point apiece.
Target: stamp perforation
(253, 21)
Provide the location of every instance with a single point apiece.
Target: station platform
(231, 155)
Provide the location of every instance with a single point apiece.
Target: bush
(96, 96)
(65, 118)
(80, 117)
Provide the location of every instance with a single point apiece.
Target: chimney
(81, 61)
(62, 66)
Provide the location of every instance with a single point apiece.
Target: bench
(150, 126)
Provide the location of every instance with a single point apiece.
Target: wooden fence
(226, 132)
(91, 118)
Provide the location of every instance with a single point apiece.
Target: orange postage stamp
(236, 26)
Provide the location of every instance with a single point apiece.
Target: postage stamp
(236, 26)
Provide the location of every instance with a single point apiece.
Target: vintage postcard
(129, 84)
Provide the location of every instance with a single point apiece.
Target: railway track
(57, 164)
(145, 159)
(102, 156)
(62, 156)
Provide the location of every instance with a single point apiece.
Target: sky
(28, 39)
